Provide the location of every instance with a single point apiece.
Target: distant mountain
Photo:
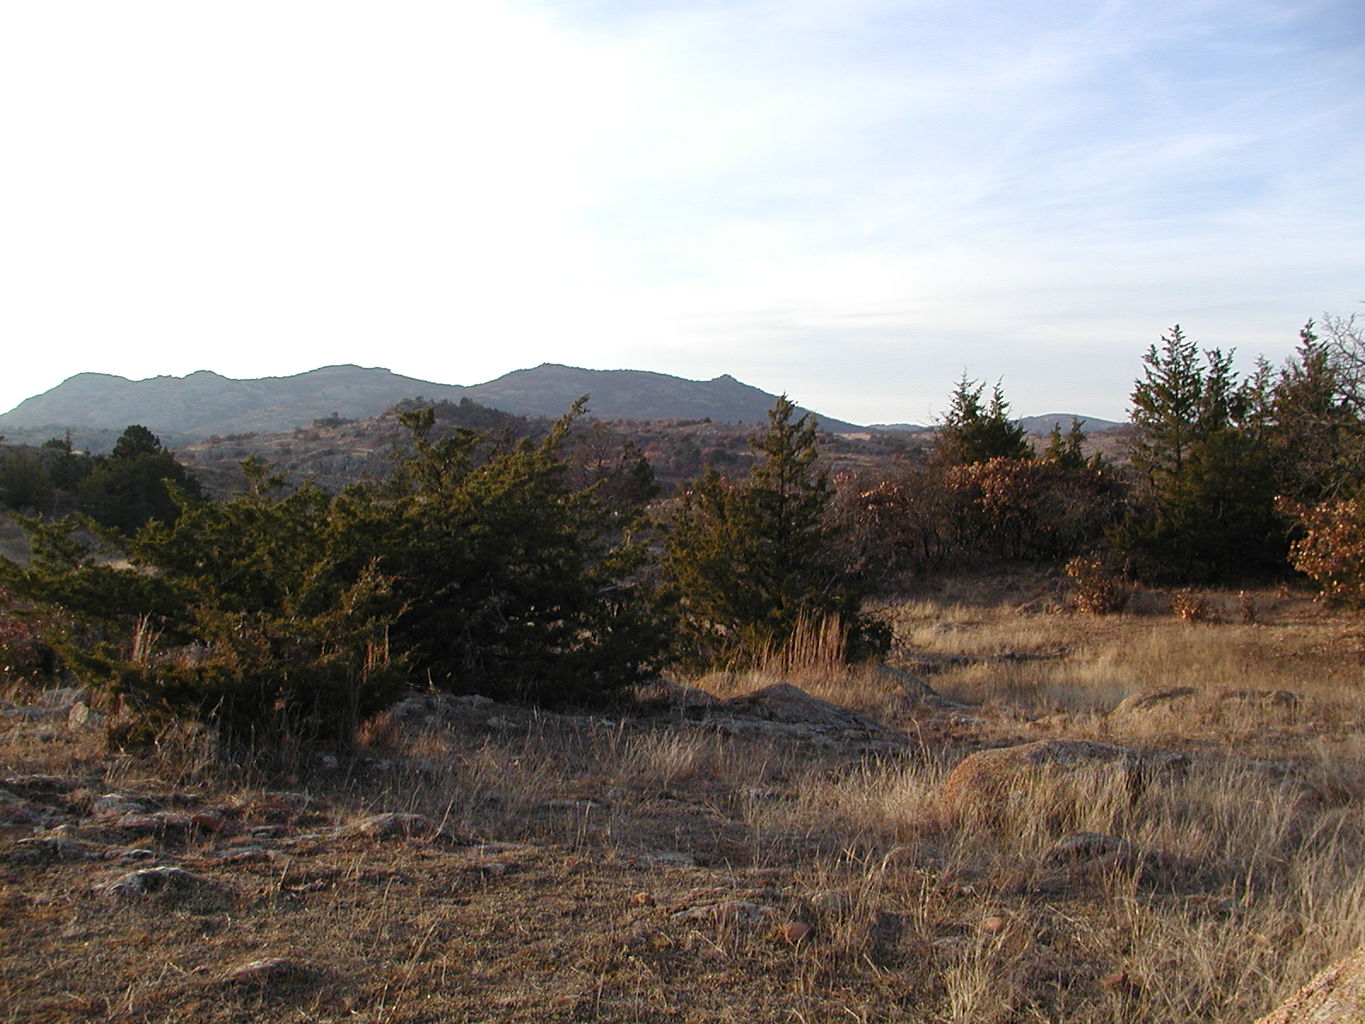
(550, 388)
(204, 403)
(1043, 424)
(898, 428)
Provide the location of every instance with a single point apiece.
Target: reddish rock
(1334, 996)
(982, 780)
(157, 821)
(208, 821)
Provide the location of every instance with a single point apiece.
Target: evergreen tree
(747, 563)
(303, 612)
(136, 483)
(1204, 508)
(1317, 438)
(973, 431)
(1067, 451)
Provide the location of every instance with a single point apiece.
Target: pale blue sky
(850, 201)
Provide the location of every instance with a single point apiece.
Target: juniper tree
(973, 431)
(1204, 508)
(748, 562)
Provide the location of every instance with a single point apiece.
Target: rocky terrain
(1028, 815)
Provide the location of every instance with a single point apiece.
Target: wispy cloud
(851, 201)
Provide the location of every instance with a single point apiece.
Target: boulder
(1334, 996)
(1149, 700)
(981, 780)
(791, 705)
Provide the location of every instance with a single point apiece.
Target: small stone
(158, 821)
(833, 904)
(115, 805)
(167, 883)
(795, 931)
(489, 868)
(671, 859)
(396, 825)
(994, 924)
(82, 716)
(208, 821)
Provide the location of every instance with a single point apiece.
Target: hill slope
(204, 403)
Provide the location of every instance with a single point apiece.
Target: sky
(854, 202)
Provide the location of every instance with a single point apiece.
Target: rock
(915, 690)
(208, 821)
(1082, 846)
(116, 805)
(272, 972)
(171, 884)
(791, 705)
(982, 780)
(1334, 996)
(52, 849)
(15, 810)
(794, 931)
(994, 924)
(64, 698)
(832, 904)
(395, 825)
(42, 785)
(156, 821)
(678, 695)
(669, 859)
(1146, 700)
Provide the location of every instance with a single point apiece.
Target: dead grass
(627, 868)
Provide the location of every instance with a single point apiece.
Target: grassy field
(663, 864)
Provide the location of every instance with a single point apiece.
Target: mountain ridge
(204, 403)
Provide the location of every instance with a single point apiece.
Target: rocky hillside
(205, 404)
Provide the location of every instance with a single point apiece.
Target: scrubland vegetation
(996, 735)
